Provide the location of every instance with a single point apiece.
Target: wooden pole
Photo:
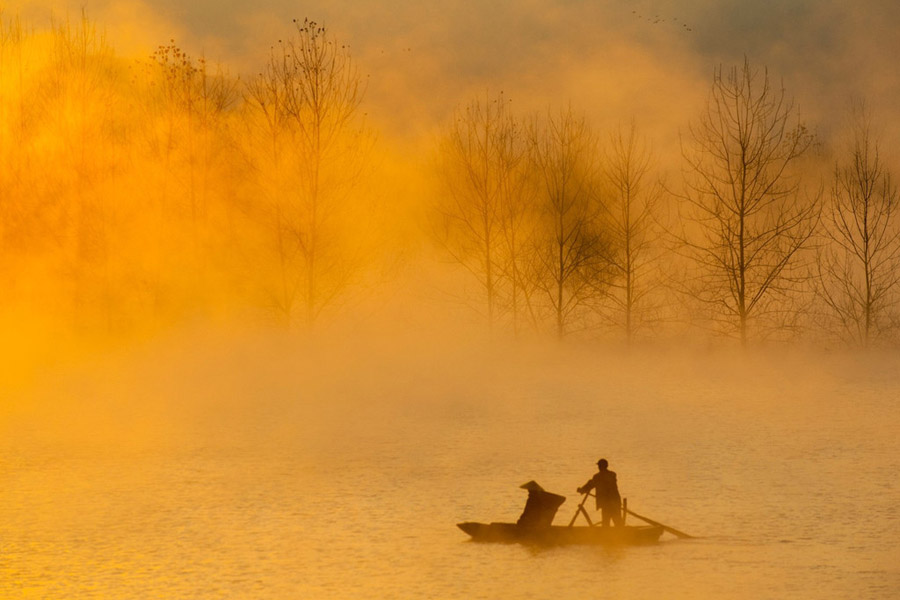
(671, 530)
(582, 510)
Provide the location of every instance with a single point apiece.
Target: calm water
(260, 471)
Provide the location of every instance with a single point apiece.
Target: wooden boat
(535, 525)
(559, 535)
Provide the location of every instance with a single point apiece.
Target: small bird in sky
(656, 19)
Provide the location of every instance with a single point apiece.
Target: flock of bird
(659, 19)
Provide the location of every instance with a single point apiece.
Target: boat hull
(557, 535)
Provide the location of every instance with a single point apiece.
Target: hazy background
(614, 61)
(616, 58)
(218, 456)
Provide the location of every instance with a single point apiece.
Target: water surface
(260, 471)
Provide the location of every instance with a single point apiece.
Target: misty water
(270, 468)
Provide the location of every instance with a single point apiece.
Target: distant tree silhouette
(194, 100)
(572, 260)
(305, 107)
(483, 219)
(632, 204)
(15, 214)
(747, 219)
(79, 119)
(859, 266)
(187, 109)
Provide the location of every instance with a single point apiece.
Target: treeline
(569, 231)
(136, 194)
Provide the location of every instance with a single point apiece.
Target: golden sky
(425, 58)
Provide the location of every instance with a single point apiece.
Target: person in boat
(606, 492)
(540, 508)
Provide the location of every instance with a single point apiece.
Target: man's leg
(616, 513)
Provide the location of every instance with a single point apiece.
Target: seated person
(540, 508)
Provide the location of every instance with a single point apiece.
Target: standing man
(606, 491)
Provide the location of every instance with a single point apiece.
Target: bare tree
(859, 267)
(79, 101)
(632, 205)
(13, 149)
(193, 100)
(57, 158)
(483, 169)
(572, 251)
(744, 202)
(306, 104)
(188, 106)
(517, 207)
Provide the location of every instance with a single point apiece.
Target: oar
(581, 509)
(671, 530)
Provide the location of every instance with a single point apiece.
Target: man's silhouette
(606, 491)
